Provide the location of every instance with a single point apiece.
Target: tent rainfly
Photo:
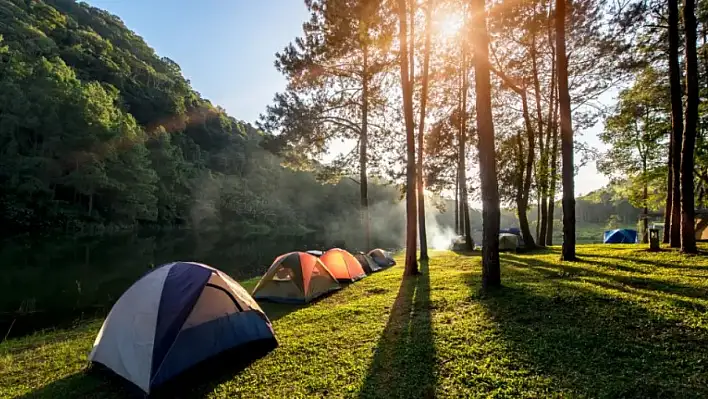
(367, 263)
(381, 257)
(620, 236)
(295, 277)
(343, 265)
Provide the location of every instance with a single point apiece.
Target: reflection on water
(51, 284)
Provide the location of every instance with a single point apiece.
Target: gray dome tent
(367, 263)
(381, 257)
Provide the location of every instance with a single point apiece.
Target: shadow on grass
(466, 252)
(597, 345)
(569, 271)
(656, 263)
(536, 250)
(682, 303)
(404, 362)
(85, 384)
(198, 381)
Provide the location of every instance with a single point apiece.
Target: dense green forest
(98, 133)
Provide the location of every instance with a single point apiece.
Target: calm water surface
(54, 284)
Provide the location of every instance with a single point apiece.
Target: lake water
(53, 284)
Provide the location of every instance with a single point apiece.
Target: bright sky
(226, 49)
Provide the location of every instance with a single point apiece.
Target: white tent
(175, 317)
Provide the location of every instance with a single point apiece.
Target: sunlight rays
(448, 23)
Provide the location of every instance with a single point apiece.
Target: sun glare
(448, 24)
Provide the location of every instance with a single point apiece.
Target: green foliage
(612, 222)
(622, 323)
(336, 73)
(97, 131)
(637, 132)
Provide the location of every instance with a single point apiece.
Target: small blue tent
(620, 236)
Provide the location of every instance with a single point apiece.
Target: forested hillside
(97, 132)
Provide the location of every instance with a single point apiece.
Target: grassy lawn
(620, 323)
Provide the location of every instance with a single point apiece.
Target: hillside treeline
(97, 132)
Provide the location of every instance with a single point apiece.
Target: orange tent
(295, 277)
(343, 265)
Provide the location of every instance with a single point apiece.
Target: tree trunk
(411, 47)
(460, 183)
(538, 217)
(551, 129)
(669, 193)
(411, 265)
(526, 173)
(543, 219)
(421, 132)
(521, 205)
(688, 235)
(363, 144)
(463, 154)
(552, 177)
(542, 174)
(568, 171)
(457, 199)
(676, 123)
(491, 274)
(645, 201)
(469, 244)
(461, 204)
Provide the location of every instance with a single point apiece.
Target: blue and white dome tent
(620, 236)
(175, 317)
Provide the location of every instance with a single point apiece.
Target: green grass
(621, 323)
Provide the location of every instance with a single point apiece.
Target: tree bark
(542, 182)
(676, 123)
(460, 183)
(669, 193)
(645, 201)
(411, 265)
(460, 204)
(538, 216)
(411, 44)
(421, 132)
(551, 129)
(568, 252)
(527, 172)
(363, 144)
(465, 213)
(688, 234)
(491, 274)
(552, 176)
(520, 205)
(457, 199)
